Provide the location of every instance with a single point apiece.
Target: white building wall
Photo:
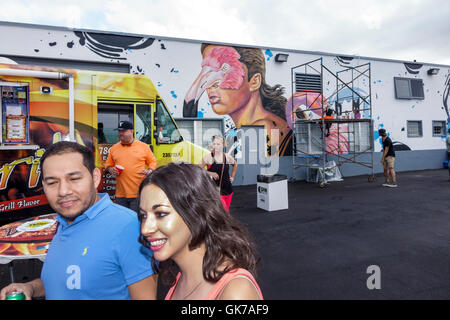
(172, 65)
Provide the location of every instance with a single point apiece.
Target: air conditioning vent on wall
(309, 82)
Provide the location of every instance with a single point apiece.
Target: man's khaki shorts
(389, 162)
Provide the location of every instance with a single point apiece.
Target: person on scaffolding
(328, 115)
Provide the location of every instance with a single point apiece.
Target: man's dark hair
(329, 112)
(382, 132)
(70, 147)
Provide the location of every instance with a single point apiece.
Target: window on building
(308, 139)
(359, 136)
(414, 129)
(186, 128)
(209, 129)
(438, 128)
(406, 88)
(200, 131)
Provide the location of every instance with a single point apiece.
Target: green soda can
(15, 295)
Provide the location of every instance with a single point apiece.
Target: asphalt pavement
(323, 247)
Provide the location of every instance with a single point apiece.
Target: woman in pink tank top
(186, 226)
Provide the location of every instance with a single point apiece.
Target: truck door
(109, 115)
(168, 139)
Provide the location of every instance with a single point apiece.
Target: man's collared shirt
(97, 256)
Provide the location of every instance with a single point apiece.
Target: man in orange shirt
(137, 160)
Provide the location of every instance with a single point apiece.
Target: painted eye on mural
(344, 61)
(413, 68)
(225, 67)
(112, 46)
(215, 85)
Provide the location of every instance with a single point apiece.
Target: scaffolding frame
(317, 103)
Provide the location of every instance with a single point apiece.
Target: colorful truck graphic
(42, 105)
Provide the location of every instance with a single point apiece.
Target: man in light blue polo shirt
(95, 253)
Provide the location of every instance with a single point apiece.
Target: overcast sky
(394, 29)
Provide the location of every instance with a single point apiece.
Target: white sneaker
(392, 185)
(386, 184)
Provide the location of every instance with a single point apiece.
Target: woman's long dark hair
(194, 195)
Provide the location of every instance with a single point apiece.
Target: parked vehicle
(41, 106)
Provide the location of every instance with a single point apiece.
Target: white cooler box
(272, 192)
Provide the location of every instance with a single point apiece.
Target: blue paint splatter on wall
(232, 133)
(173, 94)
(199, 114)
(346, 94)
(269, 54)
(376, 135)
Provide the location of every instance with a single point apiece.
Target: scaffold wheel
(371, 178)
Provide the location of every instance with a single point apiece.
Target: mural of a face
(234, 81)
(225, 79)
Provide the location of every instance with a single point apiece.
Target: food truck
(43, 105)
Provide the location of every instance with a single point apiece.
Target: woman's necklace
(193, 290)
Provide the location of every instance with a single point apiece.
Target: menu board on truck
(14, 110)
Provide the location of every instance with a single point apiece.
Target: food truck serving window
(14, 112)
(109, 117)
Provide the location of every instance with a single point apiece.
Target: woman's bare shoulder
(230, 158)
(240, 288)
(207, 158)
